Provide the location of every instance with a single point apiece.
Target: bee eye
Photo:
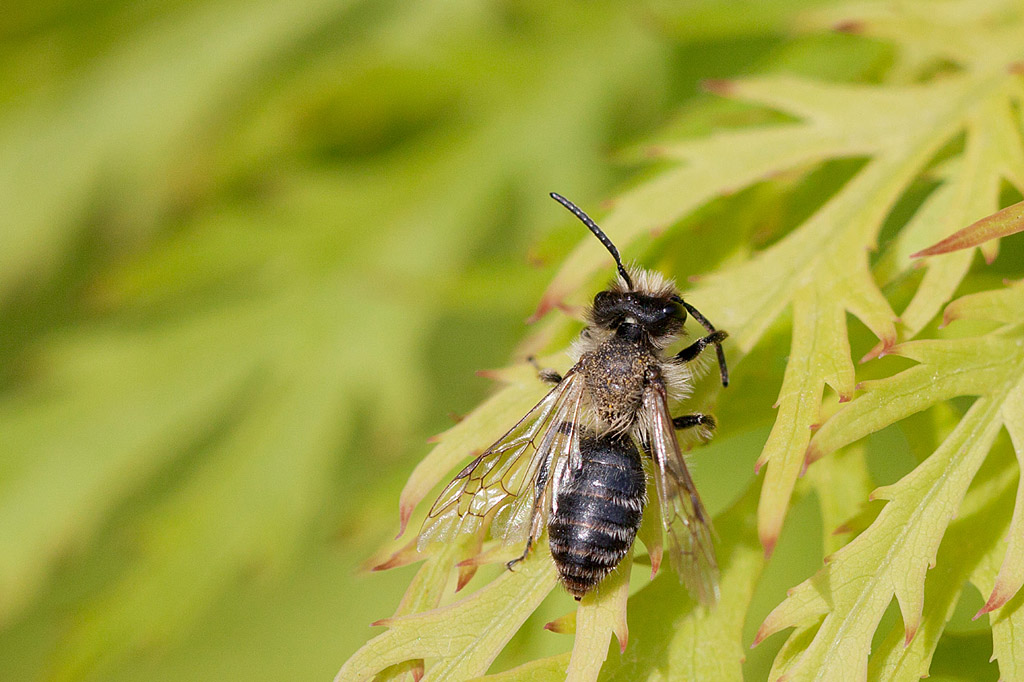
(673, 310)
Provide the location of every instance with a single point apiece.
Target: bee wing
(690, 543)
(545, 441)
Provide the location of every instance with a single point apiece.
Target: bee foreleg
(548, 376)
(688, 421)
(697, 347)
(706, 323)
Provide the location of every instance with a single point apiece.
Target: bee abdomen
(599, 510)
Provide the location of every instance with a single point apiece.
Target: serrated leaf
(695, 643)
(601, 613)
(889, 559)
(1009, 220)
(465, 636)
(977, 530)
(900, 129)
(841, 483)
(1011, 572)
(1005, 306)
(550, 669)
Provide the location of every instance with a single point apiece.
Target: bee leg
(697, 347)
(526, 553)
(688, 421)
(548, 376)
(706, 323)
(536, 517)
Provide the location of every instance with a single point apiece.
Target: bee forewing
(507, 473)
(690, 537)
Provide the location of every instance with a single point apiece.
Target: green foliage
(949, 116)
(249, 252)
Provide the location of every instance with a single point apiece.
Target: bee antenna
(586, 220)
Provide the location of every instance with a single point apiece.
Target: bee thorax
(614, 373)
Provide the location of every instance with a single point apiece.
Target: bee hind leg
(526, 553)
(688, 421)
(548, 376)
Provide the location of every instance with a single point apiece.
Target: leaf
(1007, 621)
(268, 295)
(890, 558)
(1011, 573)
(1009, 220)
(841, 483)
(976, 531)
(821, 267)
(550, 669)
(467, 635)
(601, 613)
(673, 638)
(1004, 306)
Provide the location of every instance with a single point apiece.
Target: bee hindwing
(690, 543)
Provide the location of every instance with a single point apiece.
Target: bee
(574, 463)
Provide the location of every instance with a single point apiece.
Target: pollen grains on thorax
(613, 373)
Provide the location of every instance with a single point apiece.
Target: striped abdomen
(598, 513)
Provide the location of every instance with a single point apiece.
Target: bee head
(635, 315)
(650, 310)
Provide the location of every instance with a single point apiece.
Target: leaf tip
(718, 86)
(492, 374)
(383, 622)
(564, 625)
(1016, 68)
(803, 466)
(768, 542)
(879, 493)
(762, 633)
(881, 349)
(655, 556)
(547, 302)
(404, 514)
(812, 455)
(759, 464)
(466, 574)
(654, 151)
(998, 597)
(407, 554)
(851, 26)
(908, 637)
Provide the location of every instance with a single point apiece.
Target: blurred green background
(251, 254)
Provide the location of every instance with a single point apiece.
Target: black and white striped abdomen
(598, 512)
